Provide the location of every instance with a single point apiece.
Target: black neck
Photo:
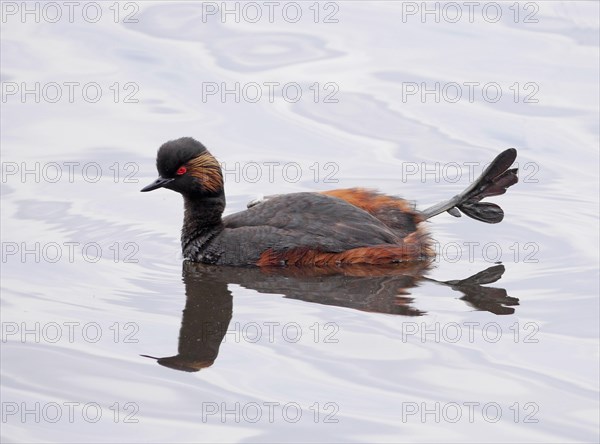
(201, 219)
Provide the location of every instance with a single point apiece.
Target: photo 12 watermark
(491, 252)
(470, 92)
(68, 172)
(69, 332)
(469, 412)
(269, 92)
(272, 331)
(69, 252)
(69, 92)
(270, 12)
(454, 172)
(469, 332)
(69, 412)
(290, 412)
(274, 171)
(469, 12)
(69, 12)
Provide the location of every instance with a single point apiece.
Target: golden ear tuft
(207, 169)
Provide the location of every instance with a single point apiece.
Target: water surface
(401, 355)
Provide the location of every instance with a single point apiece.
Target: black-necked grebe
(344, 226)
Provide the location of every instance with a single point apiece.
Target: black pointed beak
(158, 183)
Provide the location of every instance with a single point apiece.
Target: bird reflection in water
(209, 303)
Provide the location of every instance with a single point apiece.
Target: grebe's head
(185, 165)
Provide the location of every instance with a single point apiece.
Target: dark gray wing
(308, 220)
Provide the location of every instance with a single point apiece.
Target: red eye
(181, 170)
